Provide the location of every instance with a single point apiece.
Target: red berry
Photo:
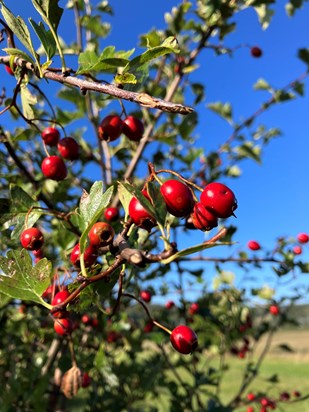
(38, 253)
(253, 245)
(139, 214)
(303, 237)
(49, 291)
(250, 409)
(53, 167)
(178, 198)
(110, 128)
(169, 304)
(219, 200)
(60, 297)
(250, 396)
(184, 339)
(145, 295)
(90, 255)
(284, 396)
(9, 70)
(94, 322)
(68, 148)
(264, 402)
(297, 250)
(32, 239)
(133, 128)
(202, 219)
(101, 234)
(50, 136)
(86, 320)
(148, 327)
(296, 394)
(256, 51)
(63, 326)
(274, 310)
(86, 380)
(111, 214)
(112, 336)
(194, 308)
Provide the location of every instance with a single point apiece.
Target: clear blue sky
(273, 197)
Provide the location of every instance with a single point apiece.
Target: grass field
(290, 367)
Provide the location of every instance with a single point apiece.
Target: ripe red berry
(32, 239)
(284, 396)
(86, 320)
(139, 214)
(133, 128)
(63, 326)
(53, 167)
(110, 128)
(101, 234)
(49, 291)
(250, 396)
(256, 51)
(9, 70)
(111, 214)
(178, 198)
(303, 237)
(145, 295)
(274, 310)
(90, 255)
(50, 136)
(264, 401)
(297, 250)
(68, 148)
(253, 245)
(112, 336)
(194, 308)
(184, 339)
(202, 219)
(169, 304)
(94, 323)
(60, 297)
(219, 200)
(86, 380)
(250, 409)
(296, 394)
(38, 253)
(148, 327)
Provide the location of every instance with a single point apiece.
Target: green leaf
(91, 207)
(170, 45)
(143, 201)
(49, 11)
(19, 53)
(19, 28)
(15, 210)
(4, 299)
(193, 249)
(126, 78)
(222, 109)
(250, 151)
(46, 38)
(20, 280)
(262, 84)
(27, 100)
(264, 14)
(124, 197)
(303, 54)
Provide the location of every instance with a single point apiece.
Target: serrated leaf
(222, 109)
(46, 38)
(27, 101)
(19, 28)
(193, 249)
(19, 53)
(92, 206)
(170, 45)
(20, 280)
(15, 210)
(50, 11)
(143, 200)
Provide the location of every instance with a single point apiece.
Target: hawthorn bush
(98, 222)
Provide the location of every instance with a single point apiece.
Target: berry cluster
(216, 201)
(112, 126)
(54, 167)
(266, 403)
